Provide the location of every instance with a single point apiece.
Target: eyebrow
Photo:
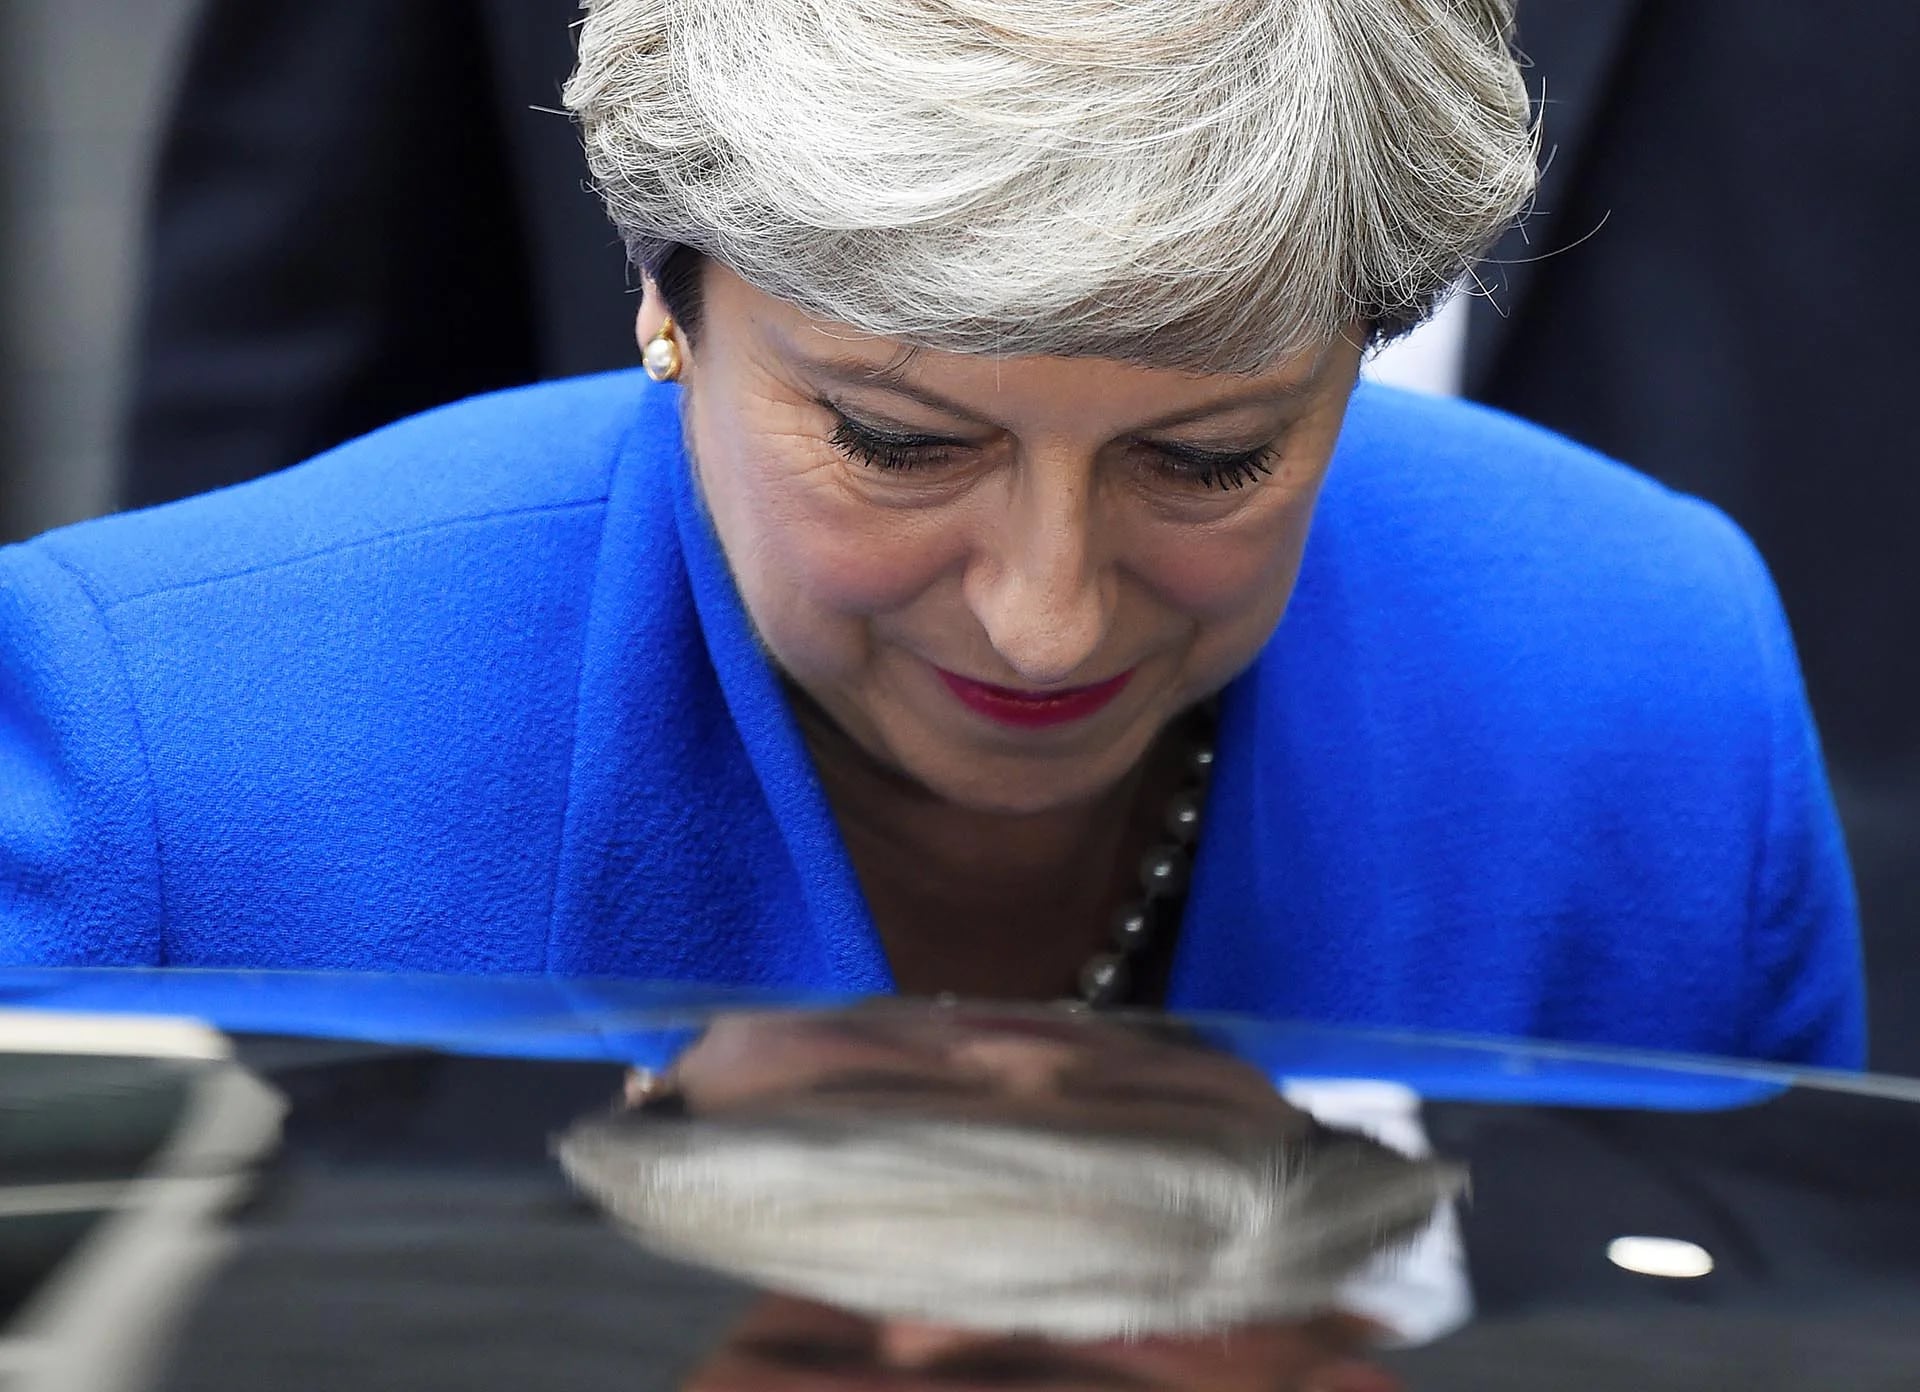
(893, 377)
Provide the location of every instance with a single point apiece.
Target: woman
(904, 641)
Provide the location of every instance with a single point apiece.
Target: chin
(1020, 788)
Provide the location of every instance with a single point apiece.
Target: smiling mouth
(1033, 710)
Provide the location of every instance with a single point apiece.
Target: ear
(653, 313)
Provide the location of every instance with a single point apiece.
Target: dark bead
(1183, 818)
(1163, 872)
(1103, 979)
(1132, 927)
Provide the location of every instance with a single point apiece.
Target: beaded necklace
(1166, 869)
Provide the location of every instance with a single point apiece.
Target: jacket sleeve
(333, 242)
(1807, 983)
(79, 862)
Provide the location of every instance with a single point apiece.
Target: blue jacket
(1529, 754)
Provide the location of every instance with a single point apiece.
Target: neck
(980, 903)
(884, 808)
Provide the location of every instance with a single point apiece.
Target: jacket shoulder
(1479, 509)
(1567, 698)
(1549, 593)
(325, 719)
(520, 453)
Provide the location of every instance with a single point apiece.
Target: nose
(909, 1345)
(1037, 585)
(1030, 1069)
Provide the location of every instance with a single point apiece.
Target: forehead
(816, 354)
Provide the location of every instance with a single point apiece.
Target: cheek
(1240, 573)
(819, 546)
(1236, 577)
(805, 547)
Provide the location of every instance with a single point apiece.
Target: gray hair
(1008, 1227)
(1205, 184)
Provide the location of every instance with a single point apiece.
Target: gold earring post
(661, 356)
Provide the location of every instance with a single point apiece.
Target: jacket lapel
(698, 845)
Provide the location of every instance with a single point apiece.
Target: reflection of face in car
(957, 1197)
(1032, 1066)
(789, 1345)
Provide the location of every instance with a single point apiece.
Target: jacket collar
(698, 845)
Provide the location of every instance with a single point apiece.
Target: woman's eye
(1223, 470)
(887, 449)
(900, 450)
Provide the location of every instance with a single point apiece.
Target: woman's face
(1001, 577)
(789, 1345)
(1008, 1066)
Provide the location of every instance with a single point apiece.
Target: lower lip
(1030, 711)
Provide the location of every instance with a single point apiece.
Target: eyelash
(898, 453)
(1221, 471)
(879, 450)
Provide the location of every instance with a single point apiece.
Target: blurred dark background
(83, 85)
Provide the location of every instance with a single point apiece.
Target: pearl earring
(661, 356)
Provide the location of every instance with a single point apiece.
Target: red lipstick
(1033, 710)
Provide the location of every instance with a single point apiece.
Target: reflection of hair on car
(1068, 1233)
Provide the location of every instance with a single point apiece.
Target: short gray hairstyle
(1204, 184)
(1006, 1226)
